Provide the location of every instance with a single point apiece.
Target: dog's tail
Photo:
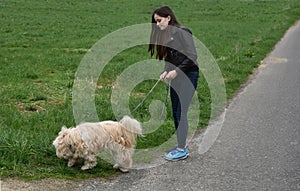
(131, 125)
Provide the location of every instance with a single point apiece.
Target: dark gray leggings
(182, 91)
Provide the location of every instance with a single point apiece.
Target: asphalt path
(258, 147)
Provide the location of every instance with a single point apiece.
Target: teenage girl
(174, 44)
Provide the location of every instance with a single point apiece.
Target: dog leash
(140, 104)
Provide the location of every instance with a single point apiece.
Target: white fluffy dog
(86, 140)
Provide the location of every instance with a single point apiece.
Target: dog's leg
(116, 158)
(123, 159)
(126, 163)
(116, 151)
(89, 162)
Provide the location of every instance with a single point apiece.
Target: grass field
(43, 42)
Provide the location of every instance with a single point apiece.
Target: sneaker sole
(182, 158)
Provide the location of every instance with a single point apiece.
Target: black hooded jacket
(181, 51)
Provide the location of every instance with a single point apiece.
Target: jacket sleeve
(168, 66)
(189, 49)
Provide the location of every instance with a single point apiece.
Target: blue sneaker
(177, 154)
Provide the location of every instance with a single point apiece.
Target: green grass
(43, 42)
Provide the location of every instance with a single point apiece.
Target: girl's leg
(176, 108)
(182, 91)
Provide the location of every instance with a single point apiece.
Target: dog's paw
(124, 170)
(116, 166)
(85, 167)
(71, 163)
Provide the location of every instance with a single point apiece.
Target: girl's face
(162, 22)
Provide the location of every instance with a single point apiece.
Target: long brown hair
(158, 38)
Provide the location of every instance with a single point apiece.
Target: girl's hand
(163, 76)
(171, 75)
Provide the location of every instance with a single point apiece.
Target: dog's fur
(86, 140)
